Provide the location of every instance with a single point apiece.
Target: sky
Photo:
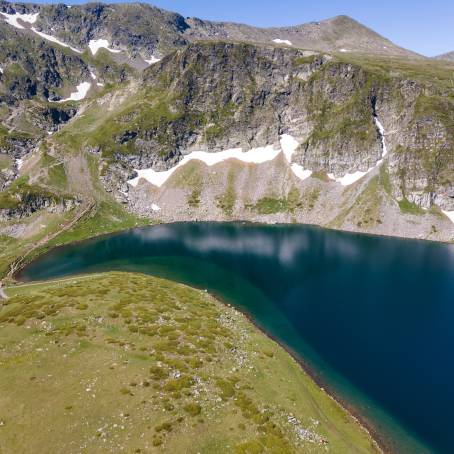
(426, 27)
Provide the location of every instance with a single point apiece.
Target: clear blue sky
(424, 26)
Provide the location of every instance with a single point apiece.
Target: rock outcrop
(216, 96)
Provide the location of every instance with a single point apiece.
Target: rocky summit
(120, 115)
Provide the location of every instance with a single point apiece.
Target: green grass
(408, 207)
(126, 362)
(305, 60)
(273, 205)
(226, 201)
(365, 211)
(430, 72)
(106, 218)
(21, 190)
(190, 177)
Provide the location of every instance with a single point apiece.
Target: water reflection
(373, 315)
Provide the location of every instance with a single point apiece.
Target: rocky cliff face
(216, 96)
(31, 67)
(32, 203)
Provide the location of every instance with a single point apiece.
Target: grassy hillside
(127, 363)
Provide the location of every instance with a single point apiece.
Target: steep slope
(126, 362)
(217, 96)
(448, 56)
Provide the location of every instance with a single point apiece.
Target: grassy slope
(127, 362)
(80, 179)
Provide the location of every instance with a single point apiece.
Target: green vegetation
(226, 201)
(190, 177)
(365, 211)
(431, 72)
(306, 60)
(126, 362)
(55, 171)
(385, 181)
(408, 207)
(7, 138)
(272, 205)
(20, 190)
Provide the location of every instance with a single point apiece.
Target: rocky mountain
(341, 34)
(113, 115)
(144, 31)
(218, 96)
(448, 56)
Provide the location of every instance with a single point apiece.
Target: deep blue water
(372, 316)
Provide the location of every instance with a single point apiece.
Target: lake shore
(381, 442)
(386, 443)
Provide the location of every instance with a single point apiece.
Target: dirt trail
(83, 210)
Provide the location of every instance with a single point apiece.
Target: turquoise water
(373, 317)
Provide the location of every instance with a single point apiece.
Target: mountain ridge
(447, 56)
(167, 30)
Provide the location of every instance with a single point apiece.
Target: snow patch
(155, 207)
(99, 84)
(82, 90)
(19, 163)
(351, 178)
(96, 44)
(1, 70)
(253, 156)
(300, 172)
(282, 41)
(93, 75)
(152, 60)
(55, 40)
(381, 130)
(12, 19)
(344, 50)
(289, 146)
(449, 214)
